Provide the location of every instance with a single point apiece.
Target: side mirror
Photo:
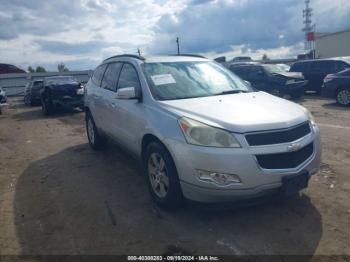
(126, 93)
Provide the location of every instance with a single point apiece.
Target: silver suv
(200, 131)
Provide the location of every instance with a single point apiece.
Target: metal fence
(14, 84)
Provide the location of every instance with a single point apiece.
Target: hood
(243, 112)
(294, 75)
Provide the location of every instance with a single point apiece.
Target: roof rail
(192, 55)
(126, 55)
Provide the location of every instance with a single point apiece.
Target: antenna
(178, 45)
(139, 51)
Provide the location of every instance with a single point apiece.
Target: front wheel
(96, 141)
(276, 92)
(296, 95)
(343, 96)
(162, 178)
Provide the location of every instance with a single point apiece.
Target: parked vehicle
(32, 92)
(316, 70)
(3, 97)
(272, 79)
(338, 86)
(200, 131)
(61, 91)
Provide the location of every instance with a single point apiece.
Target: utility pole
(178, 45)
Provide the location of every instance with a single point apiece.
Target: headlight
(310, 116)
(80, 91)
(197, 133)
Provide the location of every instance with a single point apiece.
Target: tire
(46, 105)
(342, 96)
(162, 178)
(96, 141)
(276, 92)
(27, 100)
(296, 95)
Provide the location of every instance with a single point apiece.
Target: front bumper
(296, 87)
(69, 101)
(256, 181)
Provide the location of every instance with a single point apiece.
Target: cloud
(83, 32)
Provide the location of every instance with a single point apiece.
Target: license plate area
(293, 184)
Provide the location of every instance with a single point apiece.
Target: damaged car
(61, 92)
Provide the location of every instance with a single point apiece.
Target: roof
(345, 58)
(321, 35)
(158, 59)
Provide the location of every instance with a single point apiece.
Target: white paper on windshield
(163, 79)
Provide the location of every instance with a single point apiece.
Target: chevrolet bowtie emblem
(293, 147)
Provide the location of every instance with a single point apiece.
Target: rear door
(109, 101)
(94, 97)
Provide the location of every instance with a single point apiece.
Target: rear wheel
(162, 178)
(96, 141)
(343, 96)
(276, 92)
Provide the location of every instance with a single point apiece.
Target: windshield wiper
(228, 92)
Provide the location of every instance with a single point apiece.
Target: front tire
(296, 95)
(343, 96)
(96, 141)
(162, 178)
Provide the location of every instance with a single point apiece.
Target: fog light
(218, 178)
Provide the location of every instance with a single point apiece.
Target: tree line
(61, 67)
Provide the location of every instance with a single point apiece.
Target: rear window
(299, 67)
(98, 74)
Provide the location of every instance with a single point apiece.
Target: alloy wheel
(343, 97)
(158, 176)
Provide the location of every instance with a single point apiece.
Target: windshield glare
(180, 80)
(273, 69)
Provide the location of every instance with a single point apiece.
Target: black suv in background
(271, 79)
(316, 70)
(338, 86)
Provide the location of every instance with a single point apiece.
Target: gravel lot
(57, 196)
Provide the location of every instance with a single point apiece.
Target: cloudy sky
(81, 33)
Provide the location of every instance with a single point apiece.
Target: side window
(128, 77)
(340, 66)
(98, 74)
(110, 77)
(315, 66)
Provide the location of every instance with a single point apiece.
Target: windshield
(180, 80)
(273, 69)
(61, 80)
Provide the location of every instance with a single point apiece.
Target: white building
(332, 44)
